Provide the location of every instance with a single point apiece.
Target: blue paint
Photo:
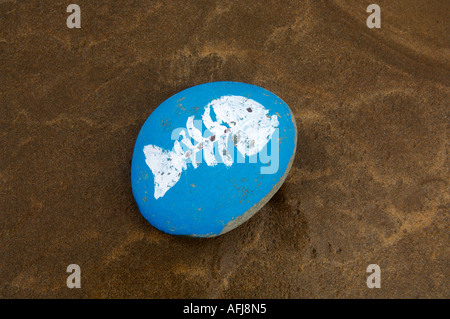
(206, 198)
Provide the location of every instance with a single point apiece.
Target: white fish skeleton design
(246, 120)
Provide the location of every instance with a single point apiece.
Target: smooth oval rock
(209, 157)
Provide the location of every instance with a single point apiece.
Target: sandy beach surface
(369, 184)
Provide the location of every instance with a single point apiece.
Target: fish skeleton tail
(166, 167)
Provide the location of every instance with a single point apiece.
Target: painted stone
(209, 157)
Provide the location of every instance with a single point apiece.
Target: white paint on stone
(246, 120)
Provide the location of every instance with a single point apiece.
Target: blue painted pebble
(209, 157)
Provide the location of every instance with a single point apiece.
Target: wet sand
(369, 183)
